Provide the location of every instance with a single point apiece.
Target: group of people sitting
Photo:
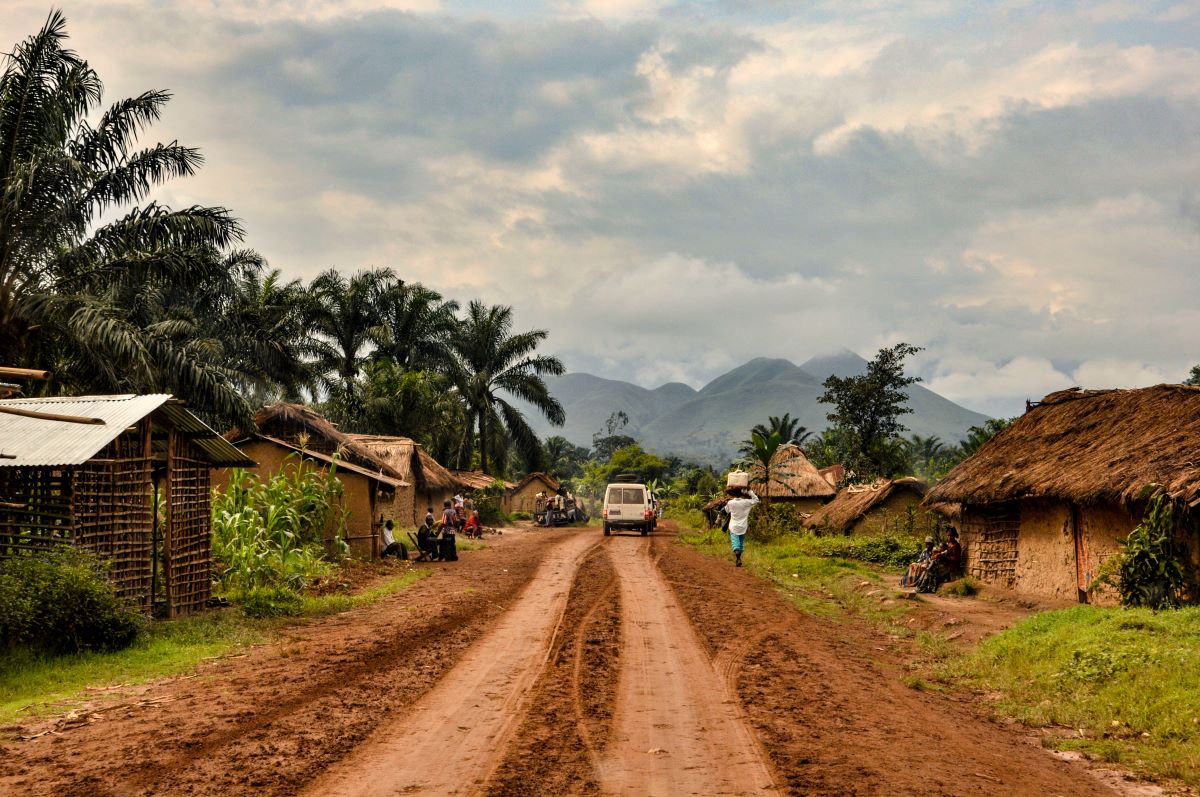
(936, 565)
(437, 537)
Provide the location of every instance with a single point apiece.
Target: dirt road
(553, 662)
(679, 730)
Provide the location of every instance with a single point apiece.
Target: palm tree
(73, 240)
(491, 363)
(788, 428)
(762, 455)
(346, 316)
(416, 326)
(926, 455)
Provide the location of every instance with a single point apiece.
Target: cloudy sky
(673, 188)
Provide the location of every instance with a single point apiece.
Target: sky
(674, 188)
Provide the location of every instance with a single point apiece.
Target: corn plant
(269, 534)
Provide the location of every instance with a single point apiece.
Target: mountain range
(708, 424)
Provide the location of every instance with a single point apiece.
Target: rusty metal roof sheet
(40, 442)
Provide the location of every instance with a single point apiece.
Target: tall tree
(415, 327)
(789, 429)
(867, 410)
(490, 364)
(345, 314)
(73, 238)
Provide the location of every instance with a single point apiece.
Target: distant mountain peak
(843, 363)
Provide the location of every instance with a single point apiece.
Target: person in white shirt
(738, 506)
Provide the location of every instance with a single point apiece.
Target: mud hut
(1047, 500)
(523, 496)
(86, 471)
(431, 484)
(287, 432)
(880, 508)
(794, 481)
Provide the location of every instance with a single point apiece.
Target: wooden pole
(50, 416)
(25, 373)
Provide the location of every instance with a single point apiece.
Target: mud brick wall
(989, 537)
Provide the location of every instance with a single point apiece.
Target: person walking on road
(742, 500)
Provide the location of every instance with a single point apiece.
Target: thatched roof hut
(433, 484)
(870, 508)
(478, 480)
(793, 480)
(1045, 501)
(302, 426)
(1088, 446)
(523, 495)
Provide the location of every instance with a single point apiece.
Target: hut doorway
(1083, 570)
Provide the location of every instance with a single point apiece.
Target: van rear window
(626, 495)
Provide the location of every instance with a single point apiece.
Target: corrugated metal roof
(34, 442)
(38, 442)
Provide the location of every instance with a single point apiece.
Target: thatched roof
(855, 501)
(792, 476)
(408, 459)
(301, 425)
(551, 483)
(478, 480)
(342, 466)
(833, 474)
(1087, 446)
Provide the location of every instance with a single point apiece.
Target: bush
(886, 549)
(768, 522)
(521, 516)
(487, 503)
(60, 601)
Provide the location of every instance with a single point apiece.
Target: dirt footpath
(553, 662)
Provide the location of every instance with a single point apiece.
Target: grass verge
(1118, 684)
(32, 686)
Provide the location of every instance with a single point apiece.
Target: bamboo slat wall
(991, 539)
(187, 544)
(35, 509)
(114, 516)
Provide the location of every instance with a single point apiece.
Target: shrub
(60, 601)
(521, 516)
(768, 522)
(1151, 571)
(964, 587)
(886, 549)
(487, 503)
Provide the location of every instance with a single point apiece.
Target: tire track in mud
(555, 749)
(678, 728)
(453, 737)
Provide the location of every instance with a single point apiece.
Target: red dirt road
(553, 662)
(679, 730)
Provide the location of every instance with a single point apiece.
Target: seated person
(473, 528)
(918, 567)
(427, 537)
(944, 564)
(390, 546)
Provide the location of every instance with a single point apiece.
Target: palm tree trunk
(483, 463)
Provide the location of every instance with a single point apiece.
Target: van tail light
(605, 514)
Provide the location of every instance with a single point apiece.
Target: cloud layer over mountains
(674, 188)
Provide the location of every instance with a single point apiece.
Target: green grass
(825, 586)
(1123, 683)
(33, 685)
